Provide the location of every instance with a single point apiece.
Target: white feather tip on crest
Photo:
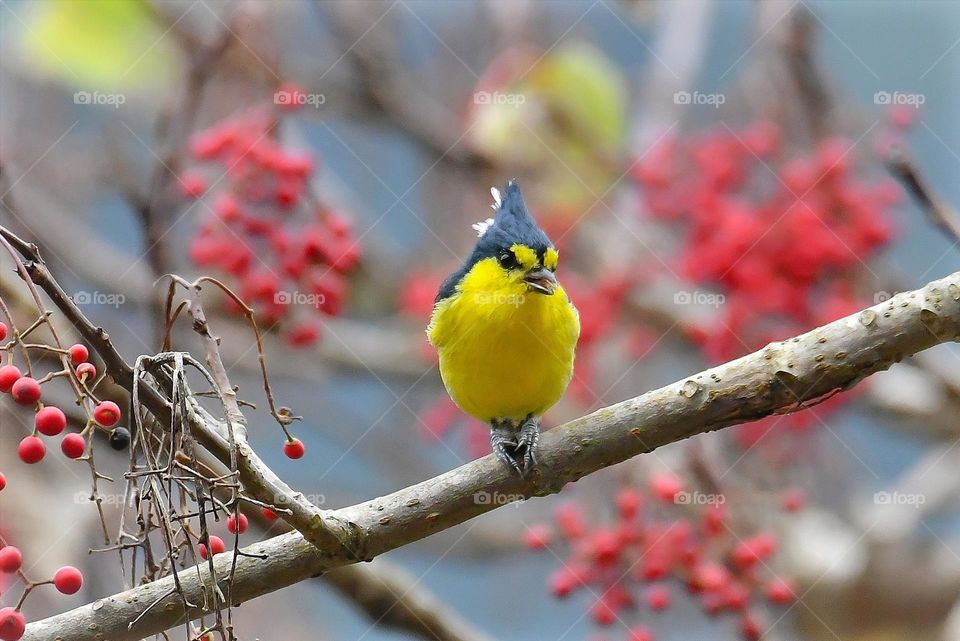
(482, 226)
(496, 198)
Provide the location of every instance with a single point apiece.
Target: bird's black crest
(512, 224)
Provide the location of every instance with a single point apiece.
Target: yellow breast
(505, 352)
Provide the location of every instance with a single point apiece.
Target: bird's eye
(507, 260)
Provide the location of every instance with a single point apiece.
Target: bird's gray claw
(527, 444)
(505, 448)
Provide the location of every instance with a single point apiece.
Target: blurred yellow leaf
(110, 45)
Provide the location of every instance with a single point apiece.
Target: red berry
(86, 372)
(73, 445)
(3, 331)
(9, 375)
(293, 448)
(31, 450)
(216, 545)
(10, 559)
(3, 482)
(25, 391)
(269, 514)
(537, 537)
(233, 521)
(78, 354)
(658, 597)
(68, 580)
(12, 624)
(50, 421)
(107, 413)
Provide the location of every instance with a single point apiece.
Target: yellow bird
(506, 331)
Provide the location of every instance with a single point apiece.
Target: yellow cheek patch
(550, 258)
(525, 256)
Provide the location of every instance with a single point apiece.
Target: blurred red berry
(629, 501)
(640, 633)
(537, 537)
(269, 514)
(794, 499)
(192, 184)
(603, 613)
(3, 331)
(750, 628)
(780, 591)
(658, 597)
(666, 486)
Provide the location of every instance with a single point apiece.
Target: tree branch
(781, 378)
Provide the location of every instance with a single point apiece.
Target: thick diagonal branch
(782, 377)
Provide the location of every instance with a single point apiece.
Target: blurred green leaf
(562, 117)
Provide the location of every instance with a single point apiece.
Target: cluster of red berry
(662, 538)
(782, 237)
(287, 252)
(67, 580)
(50, 420)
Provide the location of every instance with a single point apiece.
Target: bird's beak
(541, 280)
